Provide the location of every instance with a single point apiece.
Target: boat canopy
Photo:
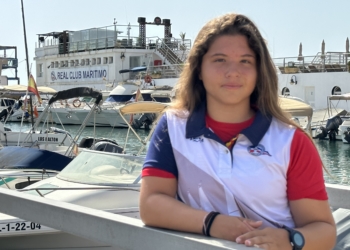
(295, 107)
(143, 107)
(339, 97)
(77, 92)
(15, 157)
(17, 91)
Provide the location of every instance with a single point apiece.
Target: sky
(284, 24)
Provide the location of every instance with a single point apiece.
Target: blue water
(335, 155)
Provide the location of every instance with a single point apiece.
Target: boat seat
(313, 68)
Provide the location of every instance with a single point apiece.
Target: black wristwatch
(296, 238)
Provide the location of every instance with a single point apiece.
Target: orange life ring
(76, 103)
(148, 79)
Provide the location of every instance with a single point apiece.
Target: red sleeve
(305, 172)
(156, 172)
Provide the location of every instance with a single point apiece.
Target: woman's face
(229, 71)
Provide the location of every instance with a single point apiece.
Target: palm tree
(183, 46)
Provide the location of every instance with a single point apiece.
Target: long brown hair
(190, 91)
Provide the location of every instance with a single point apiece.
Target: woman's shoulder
(177, 114)
(283, 125)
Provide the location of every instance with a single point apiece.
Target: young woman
(226, 150)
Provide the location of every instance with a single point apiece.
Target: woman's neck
(230, 114)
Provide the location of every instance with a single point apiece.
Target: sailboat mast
(27, 60)
(25, 39)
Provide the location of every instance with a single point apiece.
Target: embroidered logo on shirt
(258, 150)
(197, 139)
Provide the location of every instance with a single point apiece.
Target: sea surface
(335, 155)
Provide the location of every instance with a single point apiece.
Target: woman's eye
(245, 61)
(219, 60)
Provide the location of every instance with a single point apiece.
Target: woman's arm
(159, 208)
(313, 218)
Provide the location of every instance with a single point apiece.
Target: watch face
(298, 240)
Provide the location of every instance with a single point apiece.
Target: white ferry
(97, 57)
(315, 78)
(94, 58)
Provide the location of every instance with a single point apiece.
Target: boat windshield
(101, 168)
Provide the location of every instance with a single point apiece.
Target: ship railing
(328, 62)
(128, 42)
(103, 228)
(121, 232)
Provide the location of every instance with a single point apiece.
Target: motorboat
(163, 94)
(25, 158)
(20, 178)
(20, 108)
(49, 138)
(336, 126)
(298, 109)
(101, 180)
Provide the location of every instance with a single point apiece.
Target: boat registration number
(20, 226)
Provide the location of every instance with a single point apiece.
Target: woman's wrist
(208, 221)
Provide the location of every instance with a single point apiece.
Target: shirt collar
(196, 126)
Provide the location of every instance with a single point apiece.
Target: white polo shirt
(210, 175)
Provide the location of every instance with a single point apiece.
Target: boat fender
(76, 103)
(148, 79)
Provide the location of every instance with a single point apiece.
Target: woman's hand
(267, 238)
(230, 227)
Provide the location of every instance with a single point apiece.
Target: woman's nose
(232, 69)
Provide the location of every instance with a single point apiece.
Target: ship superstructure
(94, 57)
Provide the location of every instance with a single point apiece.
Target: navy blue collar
(196, 126)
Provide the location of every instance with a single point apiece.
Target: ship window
(66, 63)
(93, 61)
(336, 90)
(72, 63)
(82, 62)
(77, 62)
(56, 64)
(40, 70)
(87, 61)
(52, 65)
(110, 59)
(62, 64)
(105, 60)
(99, 60)
(285, 91)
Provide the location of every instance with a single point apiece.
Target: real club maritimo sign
(91, 74)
